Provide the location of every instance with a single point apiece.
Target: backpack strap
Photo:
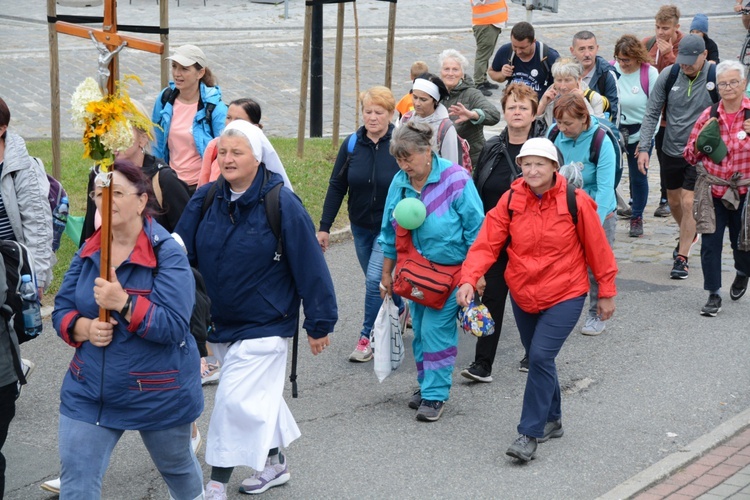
(650, 43)
(711, 83)
(671, 79)
(544, 59)
(351, 141)
(553, 133)
(407, 116)
(570, 196)
(209, 117)
(587, 94)
(644, 78)
(445, 125)
(596, 145)
(209, 199)
(271, 203)
(157, 189)
(714, 113)
(168, 96)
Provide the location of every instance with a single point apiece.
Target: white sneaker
(272, 475)
(363, 352)
(216, 491)
(53, 486)
(195, 442)
(210, 370)
(28, 367)
(593, 326)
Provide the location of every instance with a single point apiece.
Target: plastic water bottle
(32, 311)
(59, 221)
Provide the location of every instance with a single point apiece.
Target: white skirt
(250, 415)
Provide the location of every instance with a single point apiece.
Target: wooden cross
(113, 41)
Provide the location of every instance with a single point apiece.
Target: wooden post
(305, 73)
(337, 76)
(54, 87)
(389, 46)
(164, 24)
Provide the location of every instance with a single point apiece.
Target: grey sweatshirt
(687, 100)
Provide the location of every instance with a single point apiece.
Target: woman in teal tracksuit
(579, 129)
(454, 216)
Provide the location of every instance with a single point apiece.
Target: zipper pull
(140, 387)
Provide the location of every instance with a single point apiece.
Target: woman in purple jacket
(139, 370)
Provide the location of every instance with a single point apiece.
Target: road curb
(672, 463)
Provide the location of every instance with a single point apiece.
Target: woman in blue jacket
(255, 292)
(139, 370)
(364, 169)
(578, 129)
(189, 113)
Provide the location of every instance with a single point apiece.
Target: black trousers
(8, 395)
(494, 298)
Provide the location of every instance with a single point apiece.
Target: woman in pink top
(189, 113)
(247, 110)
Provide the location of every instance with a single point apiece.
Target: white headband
(428, 87)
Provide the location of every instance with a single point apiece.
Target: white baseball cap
(187, 55)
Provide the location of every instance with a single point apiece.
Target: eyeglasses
(728, 85)
(96, 195)
(623, 60)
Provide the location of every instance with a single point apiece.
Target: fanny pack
(419, 279)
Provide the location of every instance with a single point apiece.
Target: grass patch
(309, 177)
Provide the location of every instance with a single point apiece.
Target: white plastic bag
(387, 341)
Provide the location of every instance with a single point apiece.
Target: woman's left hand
(462, 113)
(605, 308)
(109, 294)
(317, 345)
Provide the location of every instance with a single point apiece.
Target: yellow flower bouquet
(106, 121)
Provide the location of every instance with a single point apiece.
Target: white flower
(86, 92)
(119, 137)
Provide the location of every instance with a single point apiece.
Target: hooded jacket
(449, 148)
(547, 253)
(202, 131)
(598, 180)
(233, 246)
(147, 378)
(473, 100)
(366, 180)
(24, 188)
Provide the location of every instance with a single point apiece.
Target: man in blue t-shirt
(524, 60)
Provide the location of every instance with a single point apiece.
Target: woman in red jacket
(548, 252)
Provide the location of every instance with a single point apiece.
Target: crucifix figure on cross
(105, 56)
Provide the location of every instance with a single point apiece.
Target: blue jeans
(543, 335)
(638, 182)
(712, 244)
(85, 450)
(610, 225)
(370, 257)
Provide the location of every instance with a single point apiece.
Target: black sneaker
(477, 372)
(415, 400)
(636, 227)
(713, 306)
(523, 366)
(679, 269)
(523, 448)
(738, 288)
(430, 411)
(551, 430)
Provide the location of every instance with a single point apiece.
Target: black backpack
(7, 328)
(17, 263)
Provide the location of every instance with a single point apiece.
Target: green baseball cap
(710, 143)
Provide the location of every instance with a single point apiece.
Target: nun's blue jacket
(233, 246)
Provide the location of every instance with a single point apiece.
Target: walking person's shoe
(593, 326)
(210, 370)
(430, 411)
(363, 352)
(523, 366)
(551, 430)
(489, 86)
(272, 475)
(663, 210)
(523, 448)
(415, 400)
(625, 213)
(477, 372)
(713, 306)
(53, 486)
(738, 288)
(636, 227)
(404, 319)
(679, 268)
(27, 367)
(215, 491)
